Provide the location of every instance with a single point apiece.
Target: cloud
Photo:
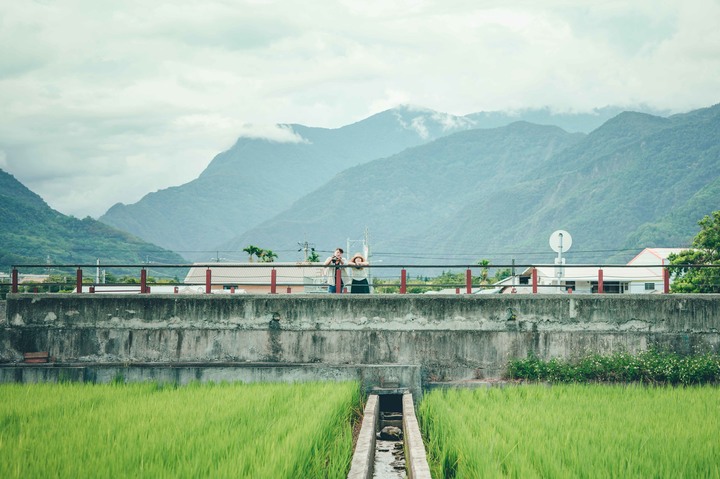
(105, 102)
(278, 133)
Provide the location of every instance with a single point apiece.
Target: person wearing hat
(359, 275)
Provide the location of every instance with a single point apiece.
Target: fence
(531, 279)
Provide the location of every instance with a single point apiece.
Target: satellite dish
(560, 241)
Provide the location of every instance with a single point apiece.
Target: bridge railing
(275, 278)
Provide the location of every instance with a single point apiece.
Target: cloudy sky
(104, 102)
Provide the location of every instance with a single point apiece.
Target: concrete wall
(456, 337)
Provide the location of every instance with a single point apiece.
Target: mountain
(637, 181)
(258, 178)
(572, 122)
(31, 233)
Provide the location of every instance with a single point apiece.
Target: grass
(148, 430)
(573, 431)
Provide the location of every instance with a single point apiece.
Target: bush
(651, 366)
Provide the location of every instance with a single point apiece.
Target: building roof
(610, 273)
(655, 255)
(255, 273)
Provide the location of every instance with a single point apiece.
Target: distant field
(571, 431)
(151, 431)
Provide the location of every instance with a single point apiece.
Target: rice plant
(573, 431)
(150, 430)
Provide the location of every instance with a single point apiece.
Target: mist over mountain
(259, 178)
(636, 181)
(33, 233)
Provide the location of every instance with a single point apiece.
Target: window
(649, 286)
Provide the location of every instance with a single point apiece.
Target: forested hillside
(33, 233)
(637, 181)
(256, 179)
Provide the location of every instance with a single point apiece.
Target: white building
(643, 274)
(256, 277)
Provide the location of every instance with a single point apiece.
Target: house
(134, 288)
(256, 277)
(642, 275)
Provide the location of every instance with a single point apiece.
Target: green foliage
(572, 431)
(705, 252)
(504, 190)
(313, 257)
(267, 256)
(445, 280)
(651, 366)
(264, 255)
(33, 233)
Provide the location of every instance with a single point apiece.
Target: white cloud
(105, 102)
(278, 133)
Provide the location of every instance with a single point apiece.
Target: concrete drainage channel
(389, 445)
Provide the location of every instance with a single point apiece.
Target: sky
(105, 102)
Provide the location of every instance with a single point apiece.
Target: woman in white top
(359, 275)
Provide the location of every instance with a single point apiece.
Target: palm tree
(253, 250)
(484, 271)
(267, 256)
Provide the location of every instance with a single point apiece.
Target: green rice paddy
(573, 431)
(154, 431)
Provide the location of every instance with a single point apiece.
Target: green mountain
(637, 181)
(32, 233)
(256, 179)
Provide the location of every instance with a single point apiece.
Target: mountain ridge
(32, 233)
(631, 174)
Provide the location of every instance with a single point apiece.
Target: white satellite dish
(560, 241)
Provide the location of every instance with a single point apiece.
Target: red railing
(528, 280)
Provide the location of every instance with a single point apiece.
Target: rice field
(573, 431)
(153, 431)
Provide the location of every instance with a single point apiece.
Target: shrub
(652, 366)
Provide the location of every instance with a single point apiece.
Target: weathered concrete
(364, 454)
(369, 376)
(415, 455)
(456, 337)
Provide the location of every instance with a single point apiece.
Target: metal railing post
(78, 280)
(468, 281)
(666, 280)
(601, 286)
(273, 281)
(534, 281)
(338, 281)
(208, 280)
(403, 281)
(15, 282)
(143, 281)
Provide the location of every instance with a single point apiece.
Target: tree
(253, 251)
(705, 252)
(484, 272)
(313, 257)
(267, 256)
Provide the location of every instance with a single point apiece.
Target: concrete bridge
(410, 341)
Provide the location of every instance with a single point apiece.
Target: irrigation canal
(383, 453)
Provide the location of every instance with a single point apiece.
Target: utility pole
(305, 247)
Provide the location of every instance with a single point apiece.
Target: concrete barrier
(364, 454)
(445, 338)
(417, 464)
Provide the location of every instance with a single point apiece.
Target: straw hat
(356, 256)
